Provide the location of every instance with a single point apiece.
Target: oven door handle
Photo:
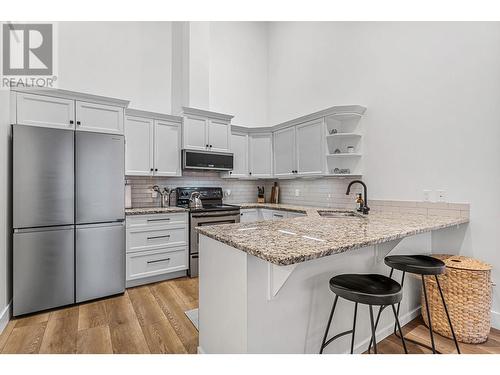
(220, 214)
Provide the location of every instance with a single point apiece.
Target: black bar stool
(422, 265)
(371, 290)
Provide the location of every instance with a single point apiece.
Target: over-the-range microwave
(207, 160)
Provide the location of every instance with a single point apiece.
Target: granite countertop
(290, 241)
(153, 210)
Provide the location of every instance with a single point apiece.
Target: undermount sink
(339, 214)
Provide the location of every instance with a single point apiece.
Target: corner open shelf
(343, 132)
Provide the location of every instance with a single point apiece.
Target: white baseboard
(495, 319)
(388, 330)
(5, 317)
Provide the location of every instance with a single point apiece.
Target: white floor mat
(193, 317)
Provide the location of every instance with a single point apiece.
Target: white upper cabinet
(239, 146)
(284, 152)
(152, 144)
(138, 146)
(219, 133)
(167, 148)
(46, 111)
(195, 133)
(261, 155)
(206, 131)
(99, 118)
(311, 148)
(68, 110)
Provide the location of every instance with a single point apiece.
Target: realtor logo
(27, 49)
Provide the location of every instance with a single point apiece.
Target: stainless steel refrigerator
(68, 208)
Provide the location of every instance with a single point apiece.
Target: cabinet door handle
(164, 219)
(210, 146)
(157, 237)
(158, 260)
(78, 123)
(71, 122)
(156, 169)
(206, 146)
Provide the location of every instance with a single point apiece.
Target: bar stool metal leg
(447, 314)
(399, 304)
(428, 315)
(399, 327)
(354, 327)
(374, 339)
(328, 325)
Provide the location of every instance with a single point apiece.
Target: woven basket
(466, 286)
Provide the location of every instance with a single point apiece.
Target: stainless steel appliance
(216, 161)
(68, 217)
(213, 212)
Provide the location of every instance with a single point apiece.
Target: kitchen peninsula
(264, 285)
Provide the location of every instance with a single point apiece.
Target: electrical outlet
(154, 194)
(441, 195)
(427, 195)
(297, 192)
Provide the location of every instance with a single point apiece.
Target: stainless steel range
(213, 212)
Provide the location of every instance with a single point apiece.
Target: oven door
(200, 219)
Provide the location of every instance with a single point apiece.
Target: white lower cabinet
(157, 246)
(249, 215)
(145, 264)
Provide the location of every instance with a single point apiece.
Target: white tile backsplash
(319, 192)
(324, 192)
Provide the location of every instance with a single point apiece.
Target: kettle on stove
(195, 200)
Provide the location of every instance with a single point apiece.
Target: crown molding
(154, 115)
(73, 95)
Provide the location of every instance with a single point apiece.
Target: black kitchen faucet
(365, 209)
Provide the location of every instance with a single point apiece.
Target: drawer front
(156, 262)
(146, 239)
(155, 220)
(277, 215)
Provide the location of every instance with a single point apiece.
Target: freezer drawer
(100, 260)
(43, 176)
(43, 269)
(99, 177)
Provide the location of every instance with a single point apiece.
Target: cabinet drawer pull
(164, 219)
(157, 237)
(277, 215)
(158, 260)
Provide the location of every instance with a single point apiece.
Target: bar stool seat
(425, 266)
(416, 264)
(369, 289)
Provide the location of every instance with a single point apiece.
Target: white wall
(238, 71)
(126, 60)
(433, 120)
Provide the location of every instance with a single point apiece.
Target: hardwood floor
(145, 319)
(151, 319)
(416, 330)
